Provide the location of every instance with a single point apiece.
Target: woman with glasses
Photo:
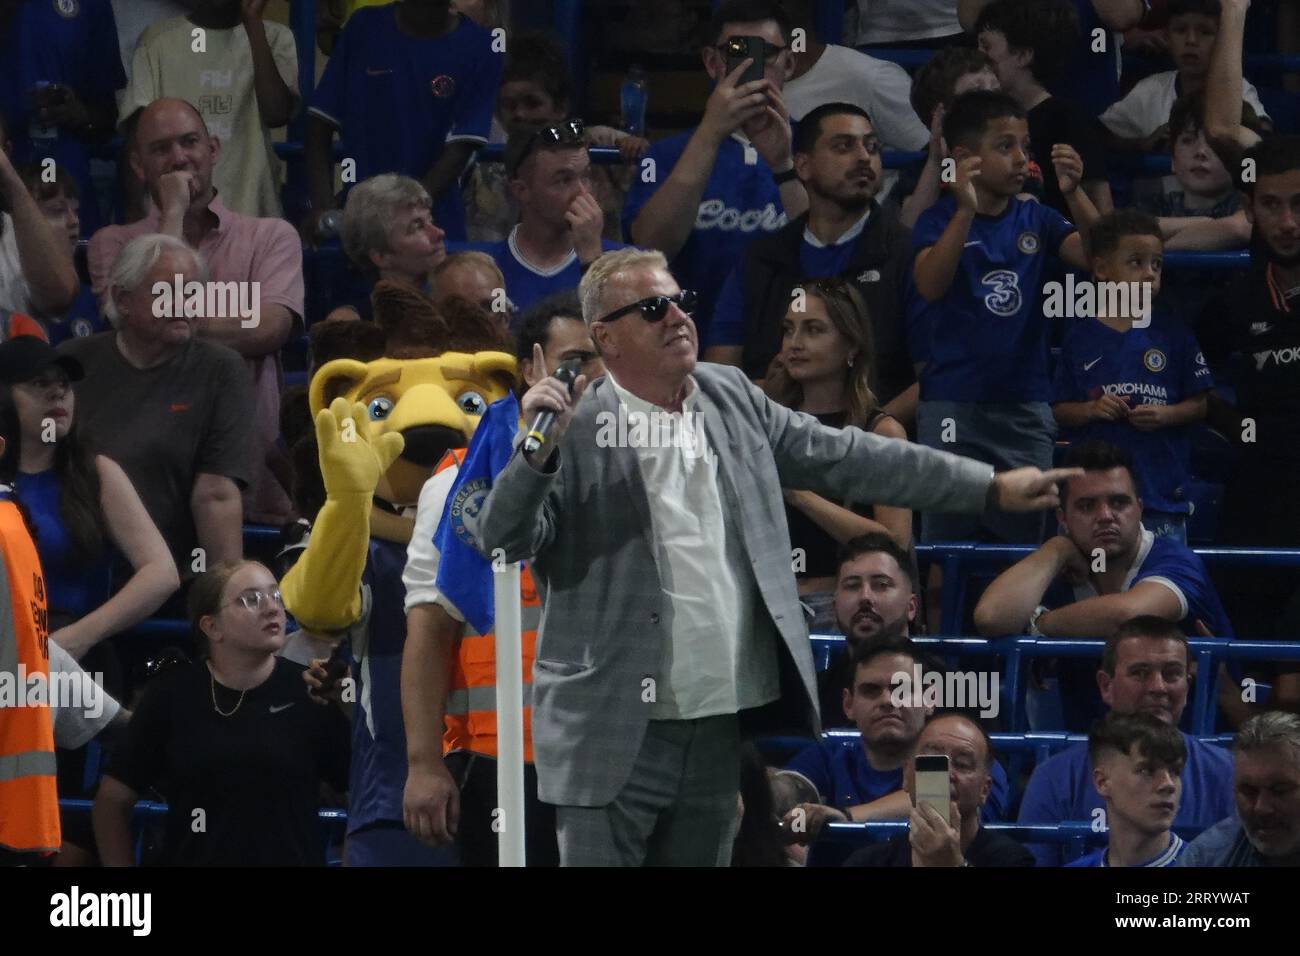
(234, 743)
(824, 368)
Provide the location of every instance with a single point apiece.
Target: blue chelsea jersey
(987, 340)
(1160, 364)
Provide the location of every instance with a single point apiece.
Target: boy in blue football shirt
(409, 88)
(976, 324)
(1130, 379)
(1137, 766)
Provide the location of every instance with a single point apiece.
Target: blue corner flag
(465, 575)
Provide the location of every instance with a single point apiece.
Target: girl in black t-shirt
(235, 743)
(824, 368)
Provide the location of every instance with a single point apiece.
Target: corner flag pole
(508, 628)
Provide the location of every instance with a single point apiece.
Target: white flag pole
(508, 628)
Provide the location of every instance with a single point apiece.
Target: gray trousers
(678, 808)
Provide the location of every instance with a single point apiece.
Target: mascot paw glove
(351, 461)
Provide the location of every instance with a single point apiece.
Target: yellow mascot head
(440, 370)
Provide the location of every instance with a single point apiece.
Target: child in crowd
(1141, 120)
(1198, 205)
(1137, 767)
(1029, 42)
(58, 197)
(1132, 380)
(945, 76)
(977, 325)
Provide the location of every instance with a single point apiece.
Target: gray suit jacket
(587, 527)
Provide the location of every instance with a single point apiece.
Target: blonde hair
(848, 313)
(591, 291)
(470, 258)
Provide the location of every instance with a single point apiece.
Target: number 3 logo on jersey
(1004, 299)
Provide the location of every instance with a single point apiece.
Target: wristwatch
(788, 176)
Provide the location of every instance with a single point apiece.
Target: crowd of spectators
(911, 297)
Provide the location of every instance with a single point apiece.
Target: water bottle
(633, 97)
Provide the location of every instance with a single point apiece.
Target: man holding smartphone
(702, 196)
(955, 838)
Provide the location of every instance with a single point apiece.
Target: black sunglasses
(655, 307)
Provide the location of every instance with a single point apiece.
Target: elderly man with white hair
(1266, 784)
(174, 410)
(655, 516)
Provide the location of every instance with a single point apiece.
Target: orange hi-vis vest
(471, 712)
(29, 799)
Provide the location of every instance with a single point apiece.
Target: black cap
(24, 357)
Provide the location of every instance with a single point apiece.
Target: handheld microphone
(567, 373)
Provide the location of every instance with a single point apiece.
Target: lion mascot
(382, 422)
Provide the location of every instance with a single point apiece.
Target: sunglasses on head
(654, 308)
(570, 131)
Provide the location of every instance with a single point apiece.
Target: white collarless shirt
(712, 663)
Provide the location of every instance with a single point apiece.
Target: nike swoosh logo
(1088, 365)
(373, 72)
(977, 242)
(276, 710)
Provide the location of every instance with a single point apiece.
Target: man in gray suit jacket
(654, 519)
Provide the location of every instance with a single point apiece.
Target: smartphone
(932, 787)
(740, 49)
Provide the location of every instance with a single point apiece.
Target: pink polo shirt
(240, 249)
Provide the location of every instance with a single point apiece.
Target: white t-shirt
(14, 292)
(421, 573)
(883, 89)
(89, 709)
(132, 16)
(889, 21)
(1147, 106)
(712, 661)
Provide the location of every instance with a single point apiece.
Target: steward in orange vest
(29, 800)
(471, 709)
(454, 794)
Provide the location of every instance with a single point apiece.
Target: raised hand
(1069, 167)
(731, 106)
(963, 187)
(350, 462)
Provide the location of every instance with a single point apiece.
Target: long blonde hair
(848, 313)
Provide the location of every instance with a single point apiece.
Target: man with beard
(862, 783)
(1104, 570)
(875, 601)
(1255, 317)
(1266, 783)
(847, 234)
